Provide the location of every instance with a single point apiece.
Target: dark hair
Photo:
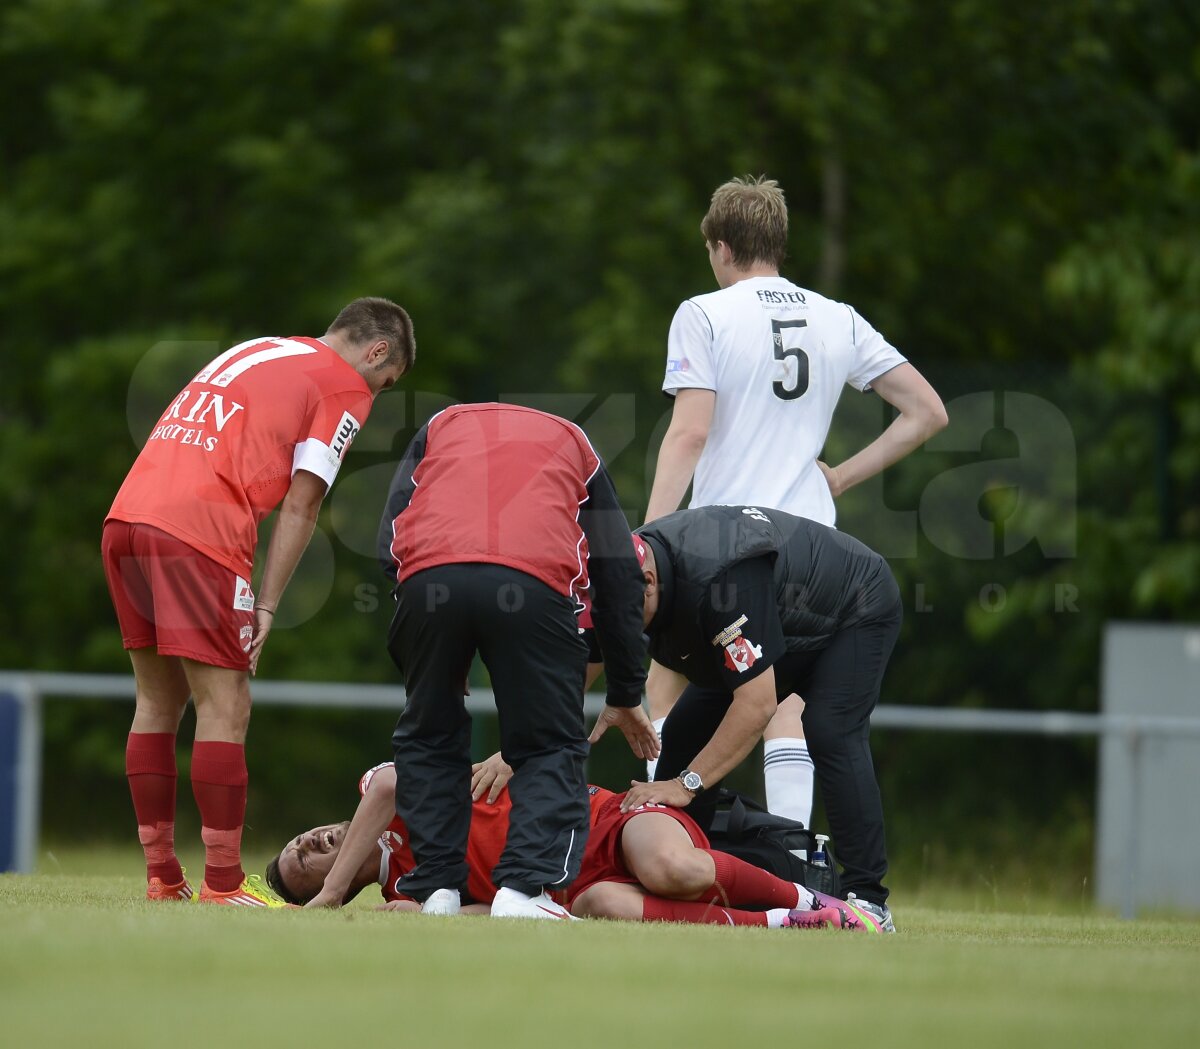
(279, 886)
(370, 319)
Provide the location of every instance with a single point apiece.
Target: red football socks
(219, 783)
(657, 909)
(150, 769)
(741, 884)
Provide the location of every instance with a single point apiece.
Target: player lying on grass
(652, 864)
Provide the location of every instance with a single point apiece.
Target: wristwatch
(691, 781)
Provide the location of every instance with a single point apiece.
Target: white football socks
(776, 917)
(788, 776)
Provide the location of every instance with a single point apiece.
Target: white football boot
(443, 901)
(512, 904)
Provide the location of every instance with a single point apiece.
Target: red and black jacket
(502, 484)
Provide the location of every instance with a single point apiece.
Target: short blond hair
(750, 215)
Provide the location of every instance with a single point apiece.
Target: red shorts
(602, 858)
(171, 597)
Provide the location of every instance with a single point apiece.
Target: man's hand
(491, 776)
(264, 619)
(325, 898)
(668, 792)
(831, 478)
(400, 905)
(634, 725)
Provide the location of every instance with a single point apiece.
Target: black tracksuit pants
(528, 637)
(840, 688)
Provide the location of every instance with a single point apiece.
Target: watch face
(692, 780)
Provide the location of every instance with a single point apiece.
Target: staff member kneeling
(752, 605)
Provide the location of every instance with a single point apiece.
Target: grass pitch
(85, 961)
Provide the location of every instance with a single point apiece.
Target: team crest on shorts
(245, 637)
(741, 654)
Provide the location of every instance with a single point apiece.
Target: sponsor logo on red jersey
(347, 430)
(206, 408)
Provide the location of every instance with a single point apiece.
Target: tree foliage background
(1011, 193)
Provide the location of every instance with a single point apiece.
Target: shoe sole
(210, 902)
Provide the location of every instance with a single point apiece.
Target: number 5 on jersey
(800, 385)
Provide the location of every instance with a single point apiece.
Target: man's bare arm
(740, 728)
(922, 414)
(293, 530)
(686, 437)
(375, 811)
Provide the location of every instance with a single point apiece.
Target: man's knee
(608, 899)
(675, 870)
(222, 698)
(787, 721)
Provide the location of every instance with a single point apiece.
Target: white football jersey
(777, 357)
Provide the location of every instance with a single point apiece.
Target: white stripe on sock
(788, 778)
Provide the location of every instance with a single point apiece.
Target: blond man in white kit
(756, 370)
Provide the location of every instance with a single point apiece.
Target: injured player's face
(308, 857)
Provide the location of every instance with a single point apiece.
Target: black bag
(743, 828)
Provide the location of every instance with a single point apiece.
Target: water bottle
(818, 857)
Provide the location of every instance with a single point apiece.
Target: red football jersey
(598, 797)
(489, 830)
(222, 455)
(500, 484)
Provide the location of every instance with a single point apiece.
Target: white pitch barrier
(22, 695)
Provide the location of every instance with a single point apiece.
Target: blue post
(20, 772)
(10, 792)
